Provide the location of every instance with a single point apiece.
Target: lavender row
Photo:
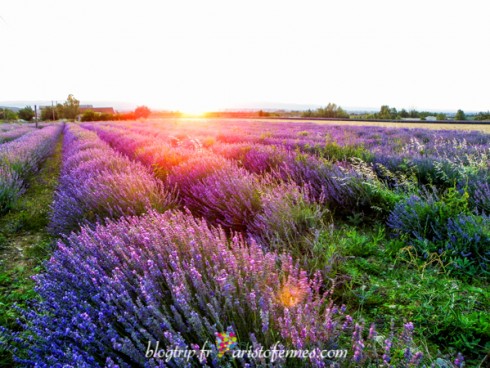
(21, 158)
(311, 136)
(111, 292)
(290, 194)
(345, 188)
(14, 133)
(217, 189)
(421, 156)
(97, 183)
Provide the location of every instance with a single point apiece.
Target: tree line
(389, 113)
(70, 110)
(27, 114)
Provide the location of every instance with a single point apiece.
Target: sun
(195, 112)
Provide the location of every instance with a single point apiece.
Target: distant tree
(460, 115)
(393, 113)
(424, 114)
(482, 116)
(7, 114)
(142, 112)
(386, 113)
(307, 114)
(27, 113)
(52, 113)
(441, 116)
(330, 111)
(414, 114)
(71, 107)
(404, 113)
(106, 116)
(89, 115)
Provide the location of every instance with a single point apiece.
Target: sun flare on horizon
(194, 113)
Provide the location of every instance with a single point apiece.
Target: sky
(200, 55)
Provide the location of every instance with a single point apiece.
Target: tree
(89, 115)
(52, 113)
(27, 113)
(441, 116)
(307, 114)
(414, 114)
(482, 116)
(386, 113)
(7, 114)
(71, 107)
(142, 112)
(460, 115)
(330, 111)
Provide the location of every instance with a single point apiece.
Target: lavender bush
(255, 158)
(289, 220)
(97, 183)
(21, 158)
(171, 278)
(14, 132)
(445, 225)
(11, 188)
(229, 197)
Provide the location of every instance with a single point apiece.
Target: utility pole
(52, 109)
(35, 114)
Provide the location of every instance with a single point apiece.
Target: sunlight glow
(193, 113)
(291, 295)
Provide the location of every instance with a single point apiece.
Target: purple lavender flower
(459, 361)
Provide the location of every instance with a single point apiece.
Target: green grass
(381, 280)
(25, 244)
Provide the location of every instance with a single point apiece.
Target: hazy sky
(208, 54)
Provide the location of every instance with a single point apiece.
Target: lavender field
(373, 240)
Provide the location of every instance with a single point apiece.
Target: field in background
(481, 127)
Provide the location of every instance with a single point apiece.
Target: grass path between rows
(25, 243)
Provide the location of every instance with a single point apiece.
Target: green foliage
(8, 197)
(481, 116)
(89, 115)
(333, 152)
(390, 113)
(25, 244)
(441, 116)
(71, 107)
(425, 218)
(366, 199)
(52, 112)
(382, 282)
(289, 221)
(27, 113)
(460, 115)
(330, 111)
(387, 113)
(6, 114)
(443, 230)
